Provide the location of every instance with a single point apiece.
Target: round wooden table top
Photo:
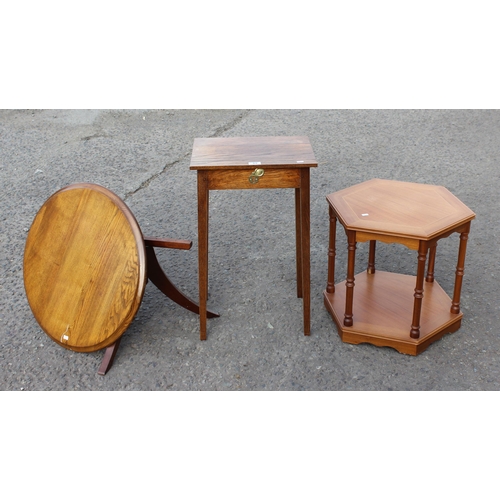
(84, 267)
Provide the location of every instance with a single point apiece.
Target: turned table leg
(419, 290)
(459, 274)
(430, 267)
(330, 284)
(351, 258)
(371, 258)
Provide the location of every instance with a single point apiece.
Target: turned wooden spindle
(430, 266)
(459, 274)
(351, 258)
(419, 290)
(371, 258)
(330, 285)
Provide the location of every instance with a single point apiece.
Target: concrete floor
(257, 344)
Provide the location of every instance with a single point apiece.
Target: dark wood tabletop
(242, 152)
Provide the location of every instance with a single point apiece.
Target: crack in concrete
(224, 128)
(94, 136)
(148, 181)
(218, 132)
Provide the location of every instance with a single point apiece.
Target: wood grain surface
(400, 209)
(383, 309)
(239, 179)
(228, 163)
(84, 267)
(240, 152)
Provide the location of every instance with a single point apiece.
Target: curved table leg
(163, 283)
(109, 357)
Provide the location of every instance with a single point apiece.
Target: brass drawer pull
(254, 176)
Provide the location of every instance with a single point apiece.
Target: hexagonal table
(377, 307)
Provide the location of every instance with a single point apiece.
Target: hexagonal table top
(405, 209)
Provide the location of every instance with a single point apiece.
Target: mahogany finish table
(377, 307)
(255, 163)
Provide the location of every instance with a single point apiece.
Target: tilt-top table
(377, 307)
(255, 163)
(86, 265)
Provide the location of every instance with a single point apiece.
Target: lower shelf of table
(383, 312)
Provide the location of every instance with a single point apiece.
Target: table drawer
(250, 179)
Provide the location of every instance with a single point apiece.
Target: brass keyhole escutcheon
(255, 175)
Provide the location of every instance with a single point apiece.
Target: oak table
(255, 163)
(86, 265)
(390, 309)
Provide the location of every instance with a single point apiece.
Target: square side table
(390, 309)
(255, 163)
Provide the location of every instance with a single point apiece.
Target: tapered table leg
(298, 242)
(419, 290)
(330, 284)
(351, 258)
(203, 198)
(305, 209)
(459, 274)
